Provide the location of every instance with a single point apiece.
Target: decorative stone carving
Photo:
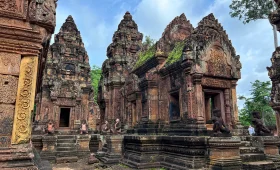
(50, 127)
(8, 88)
(43, 12)
(67, 81)
(219, 126)
(25, 100)
(260, 129)
(8, 5)
(9, 63)
(176, 31)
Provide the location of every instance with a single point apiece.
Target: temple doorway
(213, 99)
(174, 107)
(64, 117)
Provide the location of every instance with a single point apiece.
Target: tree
(95, 77)
(251, 10)
(258, 101)
(149, 42)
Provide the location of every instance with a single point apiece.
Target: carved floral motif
(210, 82)
(25, 100)
(8, 5)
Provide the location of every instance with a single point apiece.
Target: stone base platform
(19, 157)
(112, 151)
(171, 152)
(200, 152)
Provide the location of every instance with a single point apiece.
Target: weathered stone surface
(66, 80)
(122, 54)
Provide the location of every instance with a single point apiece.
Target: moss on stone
(145, 56)
(176, 53)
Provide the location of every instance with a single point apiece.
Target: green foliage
(176, 53)
(251, 10)
(145, 56)
(149, 42)
(259, 101)
(95, 77)
(123, 165)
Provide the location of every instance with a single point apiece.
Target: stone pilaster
(224, 153)
(114, 150)
(83, 145)
(271, 149)
(49, 147)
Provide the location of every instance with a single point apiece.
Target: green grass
(176, 53)
(124, 166)
(145, 56)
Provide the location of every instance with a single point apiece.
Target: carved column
(198, 101)
(227, 108)
(234, 102)
(25, 100)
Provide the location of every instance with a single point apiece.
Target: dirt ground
(83, 165)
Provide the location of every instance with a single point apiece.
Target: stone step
(66, 149)
(245, 143)
(252, 157)
(66, 145)
(259, 165)
(66, 140)
(66, 137)
(66, 159)
(66, 153)
(247, 150)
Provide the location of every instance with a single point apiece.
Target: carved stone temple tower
(274, 70)
(67, 95)
(122, 54)
(26, 27)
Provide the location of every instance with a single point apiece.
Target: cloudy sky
(98, 19)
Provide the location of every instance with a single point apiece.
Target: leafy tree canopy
(258, 101)
(251, 10)
(149, 42)
(95, 77)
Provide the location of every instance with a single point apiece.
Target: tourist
(251, 130)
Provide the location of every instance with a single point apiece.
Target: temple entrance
(213, 99)
(174, 107)
(64, 117)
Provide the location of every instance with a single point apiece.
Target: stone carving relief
(9, 63)
(210, 82)
(25, 100)
(8, 88)
(8, 5)
(43, 11)
(217, 64)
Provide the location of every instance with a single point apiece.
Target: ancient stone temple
(66, 94)
(177, 100)
(65, 103)
(26, 29)
(122, 54)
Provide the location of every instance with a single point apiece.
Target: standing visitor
(251, 130)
